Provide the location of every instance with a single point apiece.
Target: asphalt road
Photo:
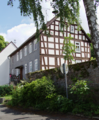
(10, 114)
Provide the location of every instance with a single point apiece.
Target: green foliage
(3, 44)
(74, 79)
(65, 10)
(33, 93)
(68, 48)
(60, 103)
(42, 94)
(91, 48)
(80, 87)
(6, 90)
(92, 51)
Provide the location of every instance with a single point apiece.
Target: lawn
(7, 97)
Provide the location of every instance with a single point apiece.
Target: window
(25, 68)
(78, 61)
(20, 54)
(12, 71)
(36, 64)
(30, 66)
(35, 44)
(25, 51)
(30, 47)
(77, 44)
(12, 59)
(17, 56)
(72, 29)
(17, 72)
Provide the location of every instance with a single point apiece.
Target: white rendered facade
(4, 63)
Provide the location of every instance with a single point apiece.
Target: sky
(13, 26)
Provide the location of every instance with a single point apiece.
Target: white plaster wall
(4, 64)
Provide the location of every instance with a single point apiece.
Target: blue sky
(13, 26)
(10, 16)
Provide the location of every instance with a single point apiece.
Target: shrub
(33, 93)
(80, 90)
(6, 90)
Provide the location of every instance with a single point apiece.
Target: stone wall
(84, 71)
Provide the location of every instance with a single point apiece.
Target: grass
(7, 97)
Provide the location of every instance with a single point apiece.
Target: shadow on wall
(4, 72)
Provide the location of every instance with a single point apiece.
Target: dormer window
(35, 44)
(72, 29)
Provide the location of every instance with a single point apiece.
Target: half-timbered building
(47, 53)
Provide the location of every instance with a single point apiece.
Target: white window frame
(35, 44)
(30, 47)
(25, 51)
(25, 68)
(35, 64)
(17, 56)
(20, 54)
(79, 47)
(72, 29)
(30, 66)
(78, 61)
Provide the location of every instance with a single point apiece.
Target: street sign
(64, 70)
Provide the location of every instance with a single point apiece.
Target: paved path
(9, 114)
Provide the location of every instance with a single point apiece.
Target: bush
(34, 93)
(42, 94)
(6, 90)
(80, 90)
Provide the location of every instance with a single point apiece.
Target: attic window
(72, 29)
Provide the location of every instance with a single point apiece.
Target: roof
(8, 45)
(48, 23)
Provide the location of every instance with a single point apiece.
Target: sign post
(64, 70)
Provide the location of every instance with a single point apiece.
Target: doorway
(21, 73)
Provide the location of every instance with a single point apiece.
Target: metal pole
(66, 82)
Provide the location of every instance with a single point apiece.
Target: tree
(91, 47)
(93, 26)
(3, 44)
(65, 9)
(68, 49)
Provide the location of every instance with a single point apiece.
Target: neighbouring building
(47, 53)
(5, 63)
